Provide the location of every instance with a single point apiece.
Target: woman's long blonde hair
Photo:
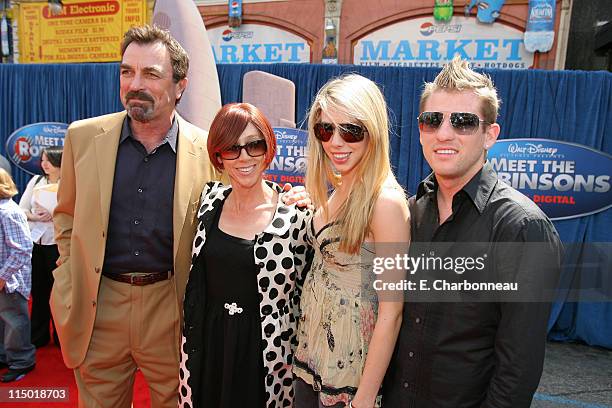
(361, 100)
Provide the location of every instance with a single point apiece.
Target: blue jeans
(16, 349)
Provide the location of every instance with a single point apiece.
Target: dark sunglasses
(464, 123)
(255, 148)
(349, 132)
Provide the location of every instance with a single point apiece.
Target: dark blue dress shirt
(140, 220)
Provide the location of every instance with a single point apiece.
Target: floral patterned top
(338, 315)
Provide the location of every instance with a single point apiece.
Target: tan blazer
(81, 220)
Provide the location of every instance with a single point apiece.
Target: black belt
(139, 279)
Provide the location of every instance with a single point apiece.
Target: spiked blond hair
(457, 76)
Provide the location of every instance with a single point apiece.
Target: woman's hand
(361, 401)
(297, 195)
(41, 215)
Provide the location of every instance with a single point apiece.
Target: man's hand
(297, 195)
(61, 260)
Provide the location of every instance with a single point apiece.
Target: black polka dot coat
(283, 258)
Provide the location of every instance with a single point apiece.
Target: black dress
(232, 369)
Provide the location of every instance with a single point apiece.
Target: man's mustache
(143, 96)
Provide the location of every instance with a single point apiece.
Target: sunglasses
(255, 148)
(349, 132)
(464, 123)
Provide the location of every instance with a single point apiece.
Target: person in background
(345, 334)
(38, 201)
(4, 164)
(16, 351)
(249, 259)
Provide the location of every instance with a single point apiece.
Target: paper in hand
(46, 197)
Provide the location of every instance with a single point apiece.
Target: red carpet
(50, 371)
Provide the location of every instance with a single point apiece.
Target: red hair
(228, 125)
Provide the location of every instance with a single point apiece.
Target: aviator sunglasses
(464, 123)
(349, 132)
(255, 148)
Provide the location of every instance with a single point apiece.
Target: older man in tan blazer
(125, 220)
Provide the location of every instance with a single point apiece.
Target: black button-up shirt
(473, 354)
(140, 220)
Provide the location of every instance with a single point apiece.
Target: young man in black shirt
(483, 350)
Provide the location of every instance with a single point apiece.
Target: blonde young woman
(346, 335)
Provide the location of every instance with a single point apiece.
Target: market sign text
(256, 43)
(421, 42)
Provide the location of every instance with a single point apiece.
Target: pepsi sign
(24, 146)
(235, 8)
(427, 29)
(289, 164)
(566, 180)
(256, 43)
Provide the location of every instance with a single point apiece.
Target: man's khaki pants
(135, 327)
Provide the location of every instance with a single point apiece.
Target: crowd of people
(241, 293)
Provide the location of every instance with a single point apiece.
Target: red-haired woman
(249, 257)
